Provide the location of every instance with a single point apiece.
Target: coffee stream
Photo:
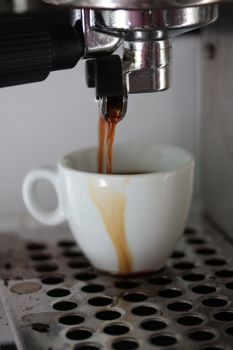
(111, 202)
(107, 127)
(102, 144)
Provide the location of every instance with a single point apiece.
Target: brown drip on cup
(112, 205)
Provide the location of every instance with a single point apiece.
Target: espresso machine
(52, 297)
(48, 39)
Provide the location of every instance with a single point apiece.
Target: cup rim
(62, 164)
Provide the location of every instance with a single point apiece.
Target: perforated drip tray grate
(55, 300)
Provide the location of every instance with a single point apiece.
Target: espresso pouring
(107, 128)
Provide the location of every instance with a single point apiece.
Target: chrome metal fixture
(132, 4)
(146, 35)
(144, 27)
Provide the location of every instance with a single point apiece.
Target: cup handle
(47, 217)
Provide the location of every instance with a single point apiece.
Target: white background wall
(41, 122)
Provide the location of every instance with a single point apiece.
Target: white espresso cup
(125, 223)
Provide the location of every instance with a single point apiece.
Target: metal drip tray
(55, 300)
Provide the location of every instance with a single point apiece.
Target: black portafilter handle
(105, 75)
(30, 49)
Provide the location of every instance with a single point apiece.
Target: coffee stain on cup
(112, 205)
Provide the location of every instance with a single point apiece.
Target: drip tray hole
(224, 316)
(58, 293)
(40, 257)
(203, 289)
(229, 331)
(52, 280)
(108, 315)
(135, 297)
(126, 284)
(214, 302)
(179, 306)
(170, 293)
(193, 277)
(78, 334)
(163, 340)
(66, 243)
(93, 288)
(196, 241)
(35, 246)
(71, 320)
(184, 265)
(125, 344)
(205, 251)
(224, 273)
(153, 325)
(46, 268)
(144, 310)
(116, 329)
(161, 280)
(190, 231)
(100, 301)
(204, 335)
(65, 305)
(85, 276)
(190, 320)
(177, 255)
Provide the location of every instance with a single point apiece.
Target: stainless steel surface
(5, 332)
(217, 119)
(161, 19)
(132, 4)
(55, 300)
(147, 65)
(97, 43)
(147, 46)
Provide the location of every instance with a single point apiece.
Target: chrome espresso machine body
(52, 296)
